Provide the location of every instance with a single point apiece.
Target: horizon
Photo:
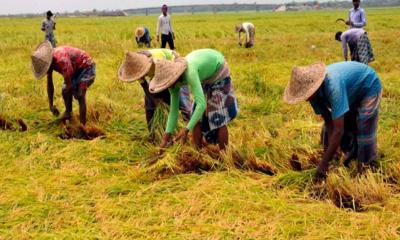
(37, 7)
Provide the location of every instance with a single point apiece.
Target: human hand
(66, 88)
(322, 168)
(173, 36)
(55, 111)
(182, 136)
(66, 116)
(166, 141)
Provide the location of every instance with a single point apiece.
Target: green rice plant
(159, 121)
(297, 180)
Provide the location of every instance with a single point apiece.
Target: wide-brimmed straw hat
(134, 67)
(41, 59)
(304, 82)
(166, 73)
(139, 32)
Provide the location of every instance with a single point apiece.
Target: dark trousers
(167, 39)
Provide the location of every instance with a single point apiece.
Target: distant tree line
(215, 8)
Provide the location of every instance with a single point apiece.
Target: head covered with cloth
(347, 95)
(208, 75)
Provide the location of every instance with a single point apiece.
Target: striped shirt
(357, 17)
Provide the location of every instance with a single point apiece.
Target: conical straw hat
(134, 67)
(166, 73)
(304, 82)
(139, 32)
(41, 59)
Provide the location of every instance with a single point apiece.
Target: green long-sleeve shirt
(201, 65)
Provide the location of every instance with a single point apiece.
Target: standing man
(250, 31)
(77, 68)
(164, 27)
(357, 18)
(347, 95)
(358, 42)
(48, 26)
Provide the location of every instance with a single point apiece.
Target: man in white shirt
(164, 27)
(250, 31)
(48, 27)
(357, 16)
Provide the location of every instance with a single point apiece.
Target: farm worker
(207, 73)
(77, 68)
(345, 94)
(139, 66)
(358, 42)
(164, 27)
(48, 27)
(250, 31)
(142, 36)
(357, 18)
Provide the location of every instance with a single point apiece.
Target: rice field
(118, 186)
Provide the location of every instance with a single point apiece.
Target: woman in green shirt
(207, 74)
(139, 66)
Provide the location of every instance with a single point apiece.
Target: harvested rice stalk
(159, 121)
(295, 163)
(7, 125)
(300, 180)
(357, 193)
(78, 131)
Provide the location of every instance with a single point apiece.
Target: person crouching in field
(77, 68)
(358, 42)
(250, 31)
(139, 66)
(48, 27)
(215, 105)
(347, 95)
(142, 36)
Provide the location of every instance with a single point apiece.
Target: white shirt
(247, 26)
(48, 26)
(164, 25)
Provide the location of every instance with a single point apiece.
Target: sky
(41, 6)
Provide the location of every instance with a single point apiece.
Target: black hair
(49, 13)
(338, 36)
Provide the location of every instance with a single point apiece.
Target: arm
(334, 142)
(344, 47)
(239, 41)
(199, 100)
(67, 71)
(50, 93)
(247, 35)
(173, 111)
(172, 118)
(158, 28)
(43, 26)
(348, 22)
